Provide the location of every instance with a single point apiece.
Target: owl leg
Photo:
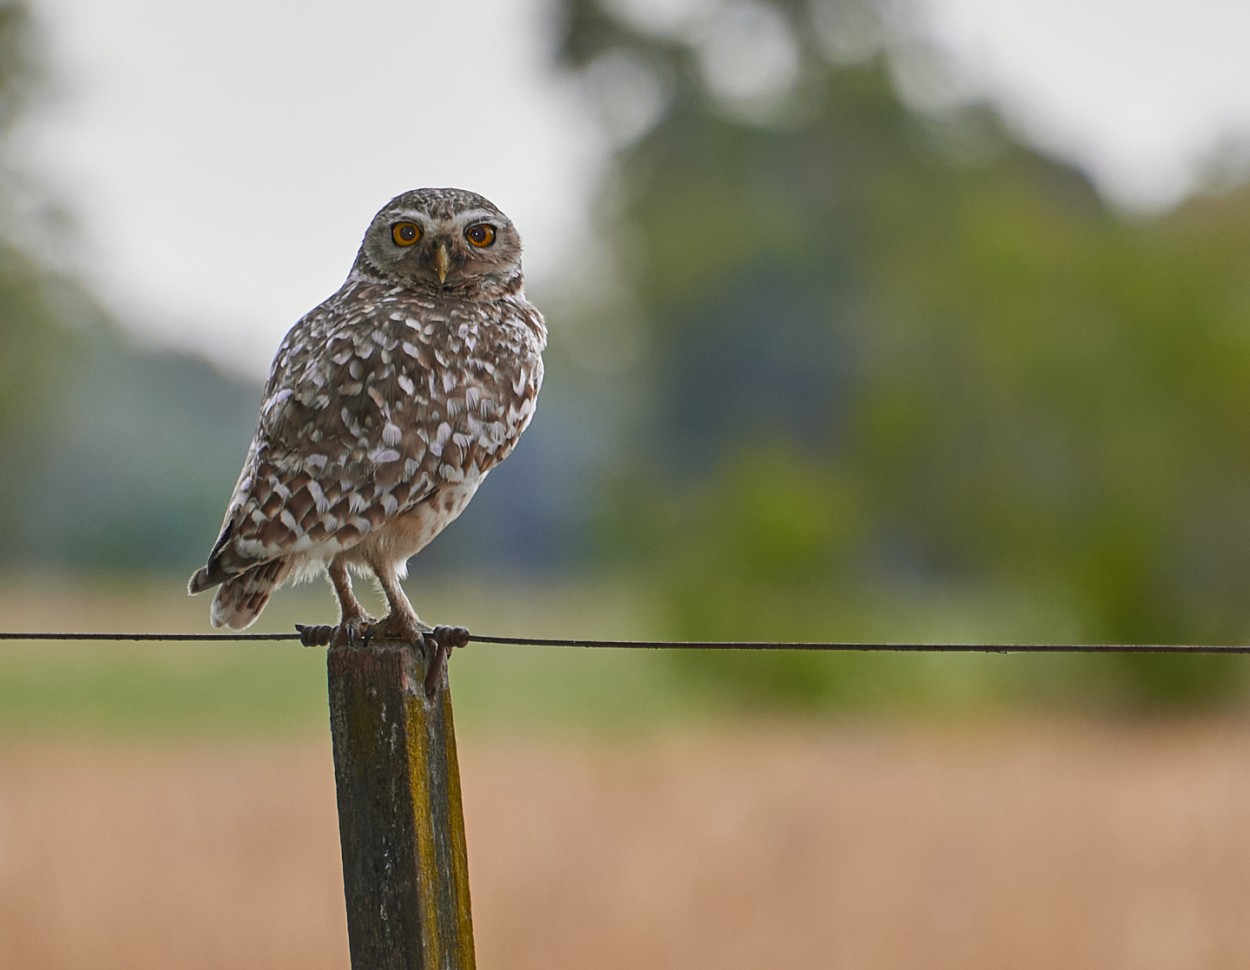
(402, 623)
(354, 624)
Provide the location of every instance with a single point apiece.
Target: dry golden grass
(1028, 846)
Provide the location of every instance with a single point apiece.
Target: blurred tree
(93, 433)
(31, 340)
(897, 359)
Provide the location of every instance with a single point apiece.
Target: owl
(385, 408)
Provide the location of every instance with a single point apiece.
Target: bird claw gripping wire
(350, 634)
(437, 642)
(441, 640)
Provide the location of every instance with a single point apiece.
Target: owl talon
(349, 633)
(354, 632)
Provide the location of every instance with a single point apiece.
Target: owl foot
(437, 641)
(352, 631)
(359, 632)
(397, 626)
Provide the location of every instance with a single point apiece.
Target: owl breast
(411, 531)
(378, 406)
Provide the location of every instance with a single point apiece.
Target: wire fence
(418, 917)
(827, 646)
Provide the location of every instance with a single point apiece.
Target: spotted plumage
(386, 407)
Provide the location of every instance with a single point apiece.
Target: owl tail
(241, 598)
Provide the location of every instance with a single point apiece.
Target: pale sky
(222, 160)
(1139, 92)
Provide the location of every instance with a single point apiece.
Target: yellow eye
(405, 233)
(480, 235)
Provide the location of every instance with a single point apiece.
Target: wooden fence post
(401, 823)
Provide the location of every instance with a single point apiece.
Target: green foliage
(125, 455)
(114, 458)
(888, 377)
(19, 72)
(32, 344)
(901, 379)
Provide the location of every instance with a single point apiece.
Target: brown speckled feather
(385, 408)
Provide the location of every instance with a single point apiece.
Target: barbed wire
(173, 637)
(828, 646)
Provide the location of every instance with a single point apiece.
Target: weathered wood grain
(401, 823)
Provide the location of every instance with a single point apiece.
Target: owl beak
(442, 262)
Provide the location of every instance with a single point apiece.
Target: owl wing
(367, 413)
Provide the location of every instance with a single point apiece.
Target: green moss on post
(401, 823)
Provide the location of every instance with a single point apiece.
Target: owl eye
(405, 233)
(480, 235)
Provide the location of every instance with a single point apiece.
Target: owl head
(446, 242)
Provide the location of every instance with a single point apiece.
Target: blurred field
(170, 805)
(1033, 845)
(189, 690)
